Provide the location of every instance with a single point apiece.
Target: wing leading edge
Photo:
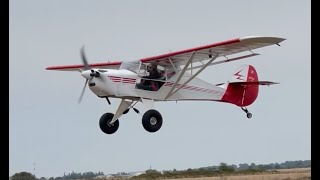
(222, 49)
(199, 54)
(78, 67)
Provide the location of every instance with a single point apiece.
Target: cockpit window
(130, 65)
(141, 68)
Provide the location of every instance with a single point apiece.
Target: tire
(105, 126)
(249, 115)
(152, 120)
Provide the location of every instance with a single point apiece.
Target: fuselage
(122, 84)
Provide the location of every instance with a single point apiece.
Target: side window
(152, 77)
(170, 74)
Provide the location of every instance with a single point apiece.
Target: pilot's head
(151, 67)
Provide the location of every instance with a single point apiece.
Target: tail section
(244, 73)
(242, 90)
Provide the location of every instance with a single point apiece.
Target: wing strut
(192, 77)
(181, 74)
(175, 70)
(225, 61)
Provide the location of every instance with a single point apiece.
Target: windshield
(130, 65)
(134, 66)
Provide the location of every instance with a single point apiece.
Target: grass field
(284, 176)
(281, 174)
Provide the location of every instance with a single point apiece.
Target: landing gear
(249, 115)
(109, 122)
(152, 120)
(105, 124)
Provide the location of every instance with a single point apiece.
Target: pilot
(153, 74)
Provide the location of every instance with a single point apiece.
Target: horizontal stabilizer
(255, 83)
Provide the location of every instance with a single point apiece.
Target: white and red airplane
(178, 81)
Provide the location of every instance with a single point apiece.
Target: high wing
(220, 49)
(205, 55)
(79, 67)
(194, 55)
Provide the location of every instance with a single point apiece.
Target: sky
(50, 133)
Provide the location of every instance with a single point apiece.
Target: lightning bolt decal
(239, 76)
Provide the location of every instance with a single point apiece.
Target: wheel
(249, 115)
(105, 125)
(152, 120)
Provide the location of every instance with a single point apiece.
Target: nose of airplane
(86, 74)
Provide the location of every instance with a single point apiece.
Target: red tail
(243, 89)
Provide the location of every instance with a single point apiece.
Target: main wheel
(152, 120)
(105, 125)
(249, 115)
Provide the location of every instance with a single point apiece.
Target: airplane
(178, 79)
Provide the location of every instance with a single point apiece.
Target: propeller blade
(84, 59)
(84, 88)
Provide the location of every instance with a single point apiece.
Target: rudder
(243, 88)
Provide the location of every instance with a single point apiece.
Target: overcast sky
(49, 128)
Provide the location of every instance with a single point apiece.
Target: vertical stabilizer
(242, 89)
(245, 73)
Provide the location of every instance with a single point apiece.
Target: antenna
(34, 169)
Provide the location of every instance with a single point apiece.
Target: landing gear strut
(249, 115)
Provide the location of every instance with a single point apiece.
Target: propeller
(87, 73)
(86, 67)
(84, 88)
(84, 59)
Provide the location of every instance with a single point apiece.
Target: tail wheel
(249, 115)
(152, 120)
(105, 125)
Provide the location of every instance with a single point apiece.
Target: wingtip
(265, 39)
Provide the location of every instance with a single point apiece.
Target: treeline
(85, 175)
(73, 175)
(222, 169)
(284, 165)
(192, 173)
